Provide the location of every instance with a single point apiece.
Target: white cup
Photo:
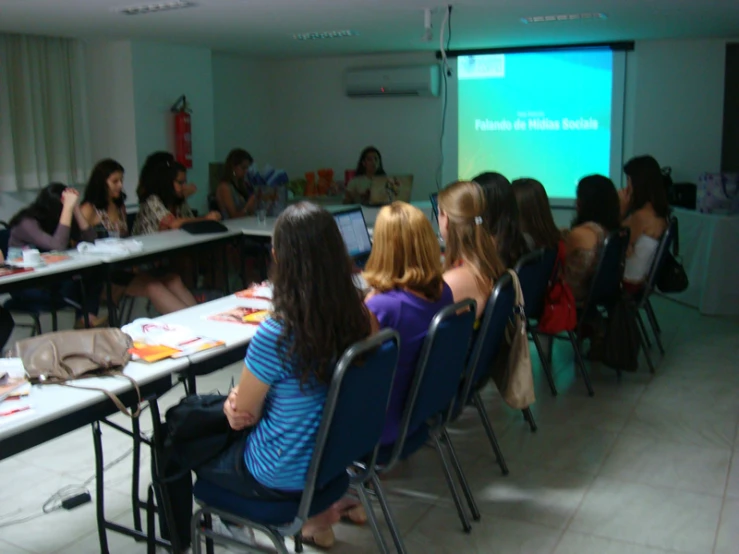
(31, 257)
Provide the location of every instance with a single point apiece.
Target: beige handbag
(512, 371)
(57, 358)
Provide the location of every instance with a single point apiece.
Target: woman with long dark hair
(535, 214)
(645, 211)
(235, 195)
(162, 203)
(54, 222)
(369, 165)
(501, 217)
(104, 208)
(316, 315)
(597, 216)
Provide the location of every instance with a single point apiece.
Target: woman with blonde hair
(472, 264)
(405, 275)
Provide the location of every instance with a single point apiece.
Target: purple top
(28, 232)
(410, 316)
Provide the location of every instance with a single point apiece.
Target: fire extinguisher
(182, 132)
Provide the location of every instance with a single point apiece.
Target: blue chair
(349, 437)
(534, 272)
(641, 300)
(439, 371)
(485, 347)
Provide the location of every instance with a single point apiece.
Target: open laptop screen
(354, 230)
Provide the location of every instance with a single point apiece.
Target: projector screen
(555, 116)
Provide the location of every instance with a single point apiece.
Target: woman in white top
(645, 211)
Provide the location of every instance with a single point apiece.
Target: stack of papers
(262, 291)
(154, 341)
(107, 247)
(13, 380)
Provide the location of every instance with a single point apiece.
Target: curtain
(44, 132)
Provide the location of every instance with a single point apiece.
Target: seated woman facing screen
(162, 202)
(644, 210)
(316, 316)
(54, 222)
(154, 160)
(235, 195)
(501, 217)
(597, 216)
(103, 206)
(535, 215)
(407, 290)
(368, 166)
(471, 262)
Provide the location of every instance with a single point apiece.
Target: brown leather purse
(57, 358)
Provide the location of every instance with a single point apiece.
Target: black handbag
(672, 277)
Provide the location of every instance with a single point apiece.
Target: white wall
(674, 104)
(317, 126)
(161, 73)
(110, 105)
(242, 107)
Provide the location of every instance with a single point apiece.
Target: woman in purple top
(405, 275)
(51, 223)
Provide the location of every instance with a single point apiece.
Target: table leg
(83, 302)
(100, 487)
(112, 313)
(136, 473)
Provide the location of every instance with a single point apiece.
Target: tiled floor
(647, 466)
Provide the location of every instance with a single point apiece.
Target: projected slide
(543, 115)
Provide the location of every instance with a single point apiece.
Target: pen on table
(15, 411)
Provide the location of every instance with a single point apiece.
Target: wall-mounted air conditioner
(421, 80)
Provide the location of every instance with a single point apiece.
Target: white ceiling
(264, 28)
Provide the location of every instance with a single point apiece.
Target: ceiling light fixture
(325, 34)
(563, 17)
(157, 7)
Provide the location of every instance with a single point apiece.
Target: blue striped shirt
(279, 449)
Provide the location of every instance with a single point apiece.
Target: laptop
(353, 229)
(435, 204)
(387, 189)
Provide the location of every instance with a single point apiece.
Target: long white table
(57, 271)
(708, 246)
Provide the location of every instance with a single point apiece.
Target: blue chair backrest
(609, 271)
(665, 243)
(440, 369)
(354, 414)
(498, 312)
(534, 271)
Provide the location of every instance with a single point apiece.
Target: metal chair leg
(372, 519)
(466, 525)
(651, 317)
(529, 417)
(643, 329)
(581, 363)
(490, 433)
(461, 476)
(643, 341)
(545, 361)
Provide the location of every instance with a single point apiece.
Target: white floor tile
(728, 533)
(576, 543)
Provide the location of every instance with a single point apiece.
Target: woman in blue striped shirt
(317, 314)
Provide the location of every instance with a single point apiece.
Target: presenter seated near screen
(368, 166)
(54, 222)
(471, 264)
(288, 367)
(645, 211)
(597, 216)
(162, 203)
(105, 210)
(235, 195)
(501, 217)
(535, 215)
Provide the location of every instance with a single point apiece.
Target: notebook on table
(387, 189)
(353, 229)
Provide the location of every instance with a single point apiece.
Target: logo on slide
(481, 67)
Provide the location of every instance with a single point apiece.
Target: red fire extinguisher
(182, 132)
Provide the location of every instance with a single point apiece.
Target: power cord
(446, 73)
